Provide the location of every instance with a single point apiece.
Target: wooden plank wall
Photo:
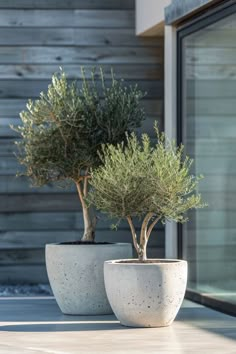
(36, 38)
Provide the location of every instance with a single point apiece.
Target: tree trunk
(89, 225)
(89, 216)
(142, 255)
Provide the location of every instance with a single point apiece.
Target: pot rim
(89, 245)
(135, 262)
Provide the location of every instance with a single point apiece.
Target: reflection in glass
(209, 134)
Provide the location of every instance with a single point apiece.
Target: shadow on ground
(43, 315)
(210, 320)
(63, 327)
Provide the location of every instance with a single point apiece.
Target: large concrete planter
(75, 274)
(145, 294)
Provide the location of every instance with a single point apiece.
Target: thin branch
(150, 228)
(143, 234)
(146, 220)
(136, 245)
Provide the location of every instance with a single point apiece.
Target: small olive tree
(64, 129)
(151, 183)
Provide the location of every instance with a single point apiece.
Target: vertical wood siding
(36, 38)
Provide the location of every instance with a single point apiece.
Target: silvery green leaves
(152, 182)
(63, 130)
(121, 185)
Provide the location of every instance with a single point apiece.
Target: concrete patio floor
(35, 325)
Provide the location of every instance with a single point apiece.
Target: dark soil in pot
(148, 261)
(85, 243)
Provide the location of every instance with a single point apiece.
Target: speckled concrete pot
(145, 294)
(75, 274)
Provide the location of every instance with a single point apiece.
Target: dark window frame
(202, 20)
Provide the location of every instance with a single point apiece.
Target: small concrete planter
(76, 276)
(145, 294)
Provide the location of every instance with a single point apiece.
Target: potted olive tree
(61, 133)
(152, 184)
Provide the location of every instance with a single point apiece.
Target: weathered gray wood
(22, 256)
(11, 184)
(9, 166)
(37, 256)
(11, 107)
(148, 126)
(67, 4)
(36, 202)
(7, 146)
(53, 221)
(80, 55)
(37, 239)
(6, 131)
(23, 274)
(67, 18)
(155, 252)
(32, 88)
(75, 36)
(43, 221)
(36, 72)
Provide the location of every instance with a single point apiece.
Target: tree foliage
(153, 183)
(63, 129)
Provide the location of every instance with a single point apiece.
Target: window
(207, 127)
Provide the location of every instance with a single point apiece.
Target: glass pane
(209, 133)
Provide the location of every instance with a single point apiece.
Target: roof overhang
(153, 15)
(179, 10)
(150, 17)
